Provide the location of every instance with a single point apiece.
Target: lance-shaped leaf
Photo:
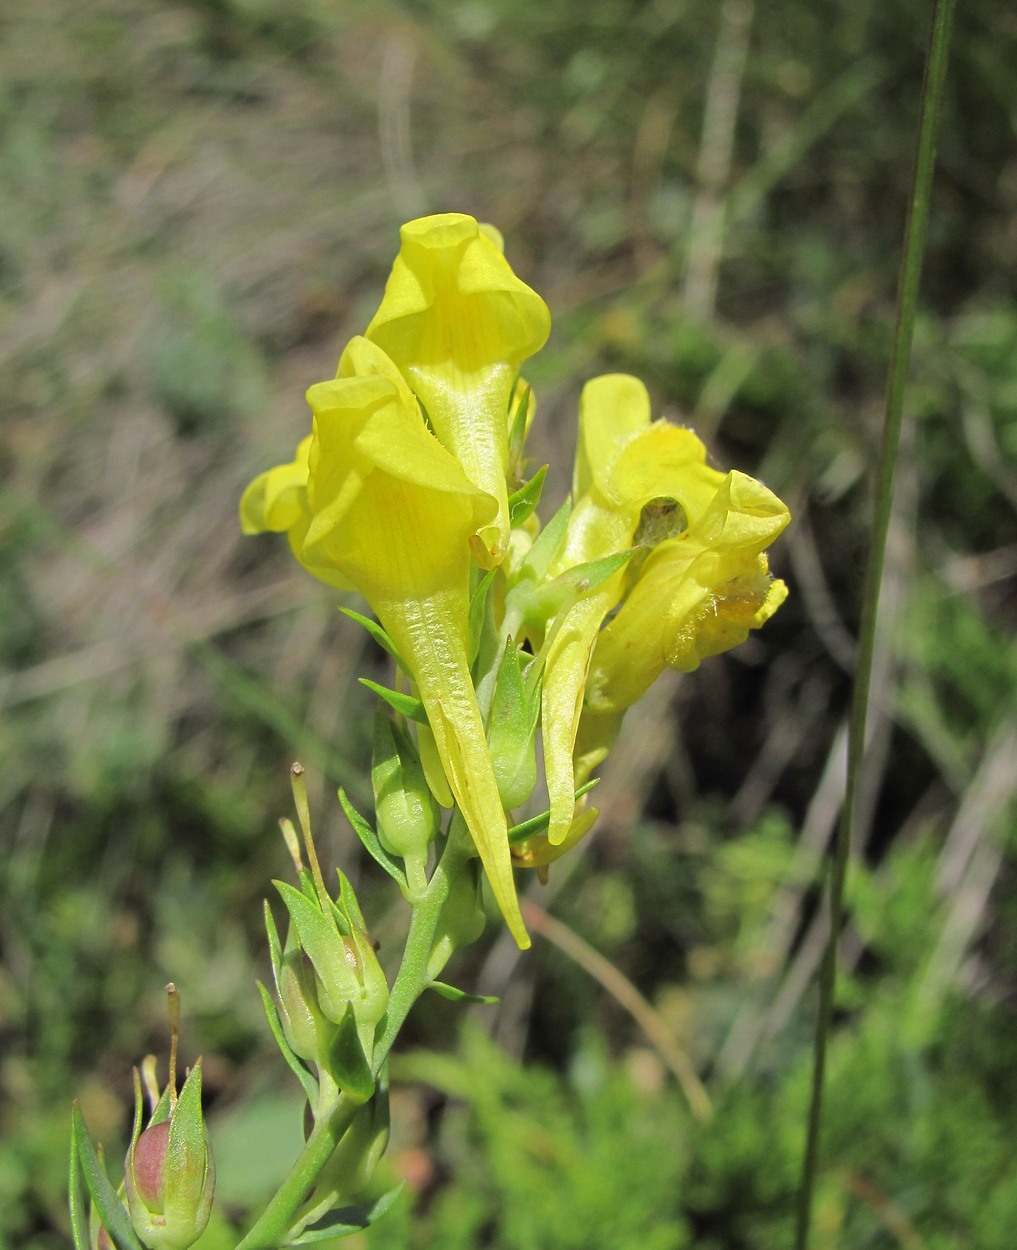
(371, 842)
(111, 1209)
(346, 1221)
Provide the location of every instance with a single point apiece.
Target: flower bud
(407, 815)
(170, 1174)
(306, 1029)
(512, 730)
(346, 971)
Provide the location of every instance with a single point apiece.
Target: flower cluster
(407, 491)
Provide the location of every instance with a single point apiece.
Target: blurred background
(199, 203)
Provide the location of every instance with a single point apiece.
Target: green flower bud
(347, 974)
(407, 815)
(170, 1174)
(512, 729)
(307, 1030)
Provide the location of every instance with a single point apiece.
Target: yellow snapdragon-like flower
(386, 510)
(458, 323)
(646, 484)
(702, 585)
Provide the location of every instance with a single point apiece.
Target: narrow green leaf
(536, 824)
(478, 613)
(546, 545)
(376, 632)
(405, 704)
(517, 435)
(586, 577)
(111, 1210)
(455, 995)
(347, 1220)
(293, 1060)
(76, 1202)
(523, 501)
(347, 1061)
(371, 843)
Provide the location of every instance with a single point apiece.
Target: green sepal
(371, 842)
(377, 633)
(347, 1062)
(517, 434)
(138, 1109)
(408, 706)
(161, 1110)
(350, 907)
(76, 1201)
(325, 947)
(512, 730)
(274, 945)
(346, 1221)
(317, 933)
(188, 1139)
(478, 613)
(112, 1211)
(293, 1060)
(455, 995)
(523, 502)
(537, 824)
(307, 886)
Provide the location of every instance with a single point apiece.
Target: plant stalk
(915, 233)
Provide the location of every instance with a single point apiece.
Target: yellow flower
(277, 501)
(458, 323)
(646, 484)
(387, 510)
(615, 474)
(697, 594)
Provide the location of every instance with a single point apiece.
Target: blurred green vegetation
(198, 205)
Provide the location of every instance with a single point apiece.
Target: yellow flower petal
(277, 501)
(458, 323)
(697, 594)
(277, 498)
(695, 588)
(392, 510)
(623, 461)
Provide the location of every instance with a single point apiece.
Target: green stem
(273, 1225)
(907, 302)
(413, 976)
